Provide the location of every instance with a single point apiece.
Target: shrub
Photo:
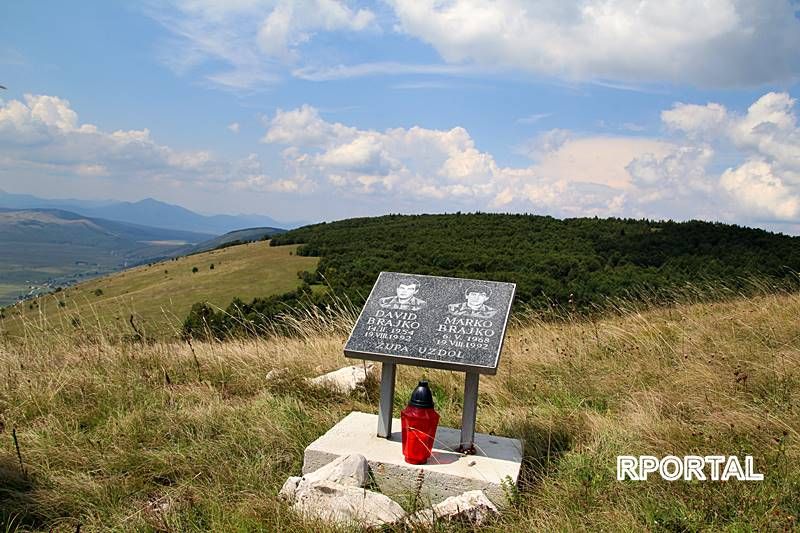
(308, 277)
(259, 317)
(203, 323)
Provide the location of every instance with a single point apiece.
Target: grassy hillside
(44, 248)
(575, 262)
(168, 437)
(236, 237)
(160, 295)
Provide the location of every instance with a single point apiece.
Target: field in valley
(160, 295)
(177, 437)
(44, 248)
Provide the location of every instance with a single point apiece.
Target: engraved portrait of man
(475, 304)
(405, 298)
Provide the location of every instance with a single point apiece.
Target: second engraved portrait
(475, 304)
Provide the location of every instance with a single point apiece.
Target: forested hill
(549, 259)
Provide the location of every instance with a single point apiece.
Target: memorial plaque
(432, 321)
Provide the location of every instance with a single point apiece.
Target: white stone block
(346, 505)
(289, 488)
(277, 373)
(448, 473)
(472, 507)
(347, 469)
(344, 380)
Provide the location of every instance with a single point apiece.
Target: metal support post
(388, 371)
(470, 412)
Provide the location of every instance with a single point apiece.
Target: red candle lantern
(419, 421)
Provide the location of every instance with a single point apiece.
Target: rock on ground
(471, 507)
(352, 470)
(334, 493)
(289, 488)
(346, 505)
(344, 380)
(277, 373)
(349, 470)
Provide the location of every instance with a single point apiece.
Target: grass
(9, 290)
(159, 296)
(176, 437)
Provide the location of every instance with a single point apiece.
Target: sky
(328, 109)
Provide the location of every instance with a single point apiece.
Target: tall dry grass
(173, 436)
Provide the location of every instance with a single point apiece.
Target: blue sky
(325, 109)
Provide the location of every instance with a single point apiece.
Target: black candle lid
(422, 396)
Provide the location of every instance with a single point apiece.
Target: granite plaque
(432, 321)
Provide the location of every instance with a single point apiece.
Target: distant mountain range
(147, 212)
(54, 242)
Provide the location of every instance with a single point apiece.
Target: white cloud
(43, 132)
(46, 129)
(533, 119)
(678, 173)
(389, 68)
(416, 161)
(304, 127)
(263, 183)
(769, 129)
(719, 164)
(233, 127)
(763, 185)
(291, 24)
(696, 121)
(256, 40)
(758, 190)
(571, 174)
(37, 118)
(616, 43)
(714, 43)
(91, 170)
(598, 159)
(545, 143)
(248, 174)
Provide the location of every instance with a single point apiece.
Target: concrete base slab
(493, 469)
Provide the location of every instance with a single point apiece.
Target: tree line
(580, 262)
